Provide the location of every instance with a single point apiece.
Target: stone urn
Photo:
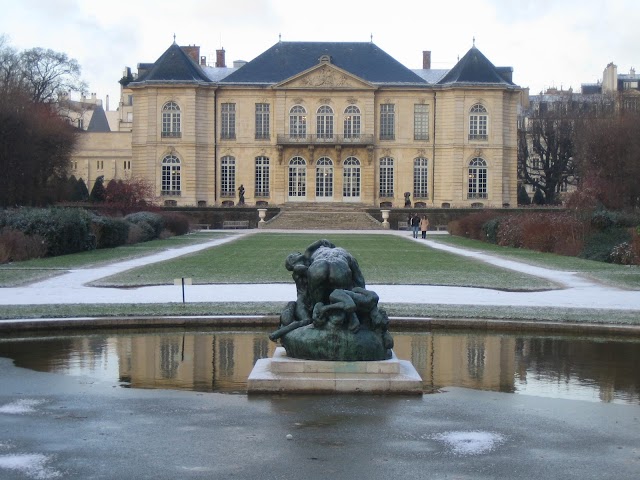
(262, 213)
(385, 218)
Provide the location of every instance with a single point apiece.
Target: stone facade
(332, 129)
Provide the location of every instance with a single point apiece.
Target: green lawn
(384, 259)
(621, 276)
(20, 273)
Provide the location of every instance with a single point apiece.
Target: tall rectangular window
(478, 123)
(386, 177)
(228, 177)
(387, 121)
(262, 121)
(420, 177)
(421, 122)
(262, 177)
(228, 121)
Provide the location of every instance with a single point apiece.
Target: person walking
(424, 226)
(415, 224)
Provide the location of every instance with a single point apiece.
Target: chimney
(220, 58)
(203, 61)
(107, 109)
(426, 59)
(193, 51)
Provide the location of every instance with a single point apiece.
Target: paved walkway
(71, 288)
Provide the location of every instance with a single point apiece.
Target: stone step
(323, 220)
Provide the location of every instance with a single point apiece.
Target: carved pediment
(325, 76)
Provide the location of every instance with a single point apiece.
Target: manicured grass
(384, 259)
(20, 273)
(621, 276)
(553, 314)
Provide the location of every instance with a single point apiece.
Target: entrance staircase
(323, 216)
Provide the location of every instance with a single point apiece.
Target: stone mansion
(311, 122)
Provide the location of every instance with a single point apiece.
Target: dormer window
(325, 59)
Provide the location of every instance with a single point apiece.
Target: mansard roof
(174, 66)
(473, 69)
(287, 59)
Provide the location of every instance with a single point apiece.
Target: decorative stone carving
(325, 77)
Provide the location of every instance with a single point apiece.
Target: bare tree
(609, 148)
(35, 142)
(546, 149)
(47, 74)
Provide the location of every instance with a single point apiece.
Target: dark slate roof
(473, 69)
(174, 66)
(287, 59)
(98, 122)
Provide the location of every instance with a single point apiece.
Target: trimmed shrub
(523, 196)
(110, 232)
(470, 226)
(623, 254)
(140, 232)
(510, 231)
(152, 220)
(603, 219)
(15, 246)
(600, 245)
(490, 230)
(64, 230)
(176, 223)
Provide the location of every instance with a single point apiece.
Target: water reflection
(595, 369)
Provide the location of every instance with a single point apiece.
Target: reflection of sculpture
(334, 316)
(241, 195)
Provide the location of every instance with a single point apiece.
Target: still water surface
(585, 368)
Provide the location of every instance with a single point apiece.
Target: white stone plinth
(283, 374)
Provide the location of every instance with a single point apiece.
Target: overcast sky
(560, 43)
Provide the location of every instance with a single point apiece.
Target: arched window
(477, 178)
(228, 176)
(170, 175)
(262, 176)
(324, 122)
(171, 120)
(351, 178)
(386, 177)
(297, 178)
(478, 123)
(297, 122)
(420, 176)
(324, 177)
(352, 123)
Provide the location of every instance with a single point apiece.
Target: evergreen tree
(79, 192)
(98, 192)
(523, 196)
(538, 197)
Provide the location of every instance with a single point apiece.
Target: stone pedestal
(281, 374)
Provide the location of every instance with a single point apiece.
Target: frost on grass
(20, 406)
(32, 465)
(470, 443)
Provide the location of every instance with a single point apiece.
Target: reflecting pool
(561, 366)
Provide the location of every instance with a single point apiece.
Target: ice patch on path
(20, 406)
(32, 465)
(470, 443)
